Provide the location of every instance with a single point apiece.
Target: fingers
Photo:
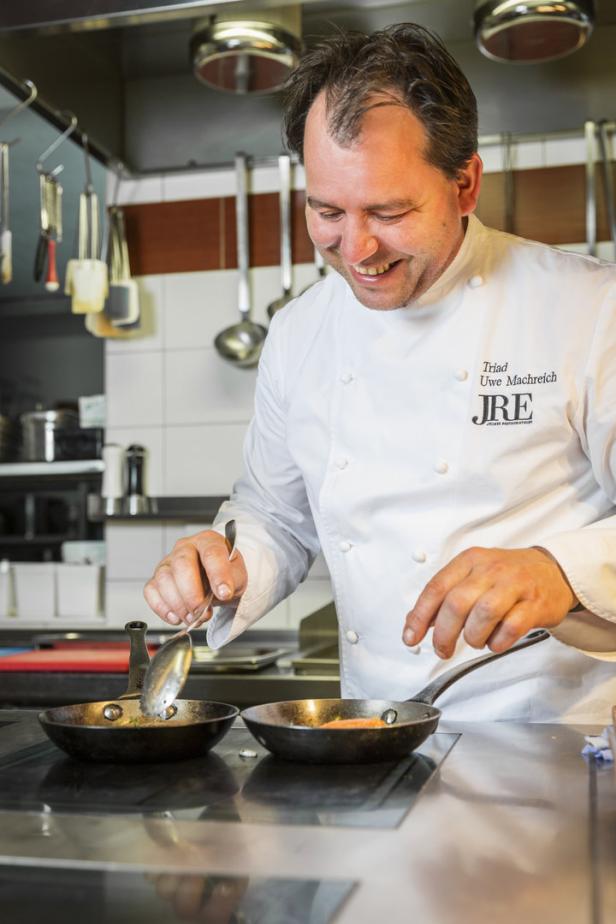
(518, 621)
(158, 605)
(472, 609)
(430, 600)
(489, 597)
(227, 576)
(195, 575)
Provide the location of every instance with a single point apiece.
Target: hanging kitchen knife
(6, 259)
(40, 257)
(52, 283)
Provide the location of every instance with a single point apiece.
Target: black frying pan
(117, 731)
(291, 729)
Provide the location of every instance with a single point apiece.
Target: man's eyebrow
(390, 206)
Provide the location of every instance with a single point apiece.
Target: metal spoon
(241, 344)
(286, 265)
(168, 669)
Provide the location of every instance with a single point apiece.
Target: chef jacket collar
(459, 270)
(442, 297)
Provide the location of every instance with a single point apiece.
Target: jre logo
(512, 408)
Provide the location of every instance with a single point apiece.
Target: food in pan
(372, 721)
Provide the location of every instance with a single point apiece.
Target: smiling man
(437, 415)
(381, 215)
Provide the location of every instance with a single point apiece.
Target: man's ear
(469, 184)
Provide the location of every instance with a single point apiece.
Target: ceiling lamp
(530, 31)
(245, 55)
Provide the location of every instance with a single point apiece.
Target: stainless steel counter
(514, 827)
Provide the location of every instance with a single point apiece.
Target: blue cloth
(598, 746)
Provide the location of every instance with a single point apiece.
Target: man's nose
(357, 244)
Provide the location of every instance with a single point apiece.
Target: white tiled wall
(170, 391)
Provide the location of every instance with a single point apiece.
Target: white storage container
(7, 590)
(35, 590)
(81, 552)
(80, 591)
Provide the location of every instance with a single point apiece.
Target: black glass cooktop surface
(239, 781)
(57, 894)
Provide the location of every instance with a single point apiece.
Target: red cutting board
(83, 660)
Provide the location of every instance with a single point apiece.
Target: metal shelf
(72, 467)
(184, 509)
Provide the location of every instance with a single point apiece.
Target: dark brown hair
(406, 61)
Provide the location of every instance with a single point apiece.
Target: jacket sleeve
(275, 530)
(588, 555)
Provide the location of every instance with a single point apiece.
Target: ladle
(168, 669)
(319, 263)
(241, 344)
(286, 265)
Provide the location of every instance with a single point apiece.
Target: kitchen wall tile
(198, 306)
(278, 618)
(262, 180)
(199, 184)
(152, 439)
(134, 388)
(201, 387)
(605, 250)
(124, 601)
(150, 335)
(562, 151)
(299, 177)
(172, 532)
(203, 460)
(133, 550)
(309, 596)
(492, 157)
(528, 155)
(135, 191)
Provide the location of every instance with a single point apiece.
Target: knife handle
(40, 256)
(51, 280)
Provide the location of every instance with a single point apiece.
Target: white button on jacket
(531, 444)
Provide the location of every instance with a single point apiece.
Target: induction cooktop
(239, 781)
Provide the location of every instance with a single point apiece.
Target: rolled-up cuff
(260, 596)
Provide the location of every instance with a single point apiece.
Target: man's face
(378, 206)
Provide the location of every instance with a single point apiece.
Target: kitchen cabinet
(43, 505)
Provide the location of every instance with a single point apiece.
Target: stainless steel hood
(124, 68)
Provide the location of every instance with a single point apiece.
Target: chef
(438, 415)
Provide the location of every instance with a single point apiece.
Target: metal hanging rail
(22, 90)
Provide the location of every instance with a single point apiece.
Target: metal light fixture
(530, 31)
(245, 55)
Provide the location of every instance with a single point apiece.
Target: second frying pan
(292, 729)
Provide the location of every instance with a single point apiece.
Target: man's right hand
(179, 588)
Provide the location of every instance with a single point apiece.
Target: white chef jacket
(483, 414)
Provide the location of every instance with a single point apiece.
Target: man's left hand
(491, 597)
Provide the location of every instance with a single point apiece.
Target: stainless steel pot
(39, 431)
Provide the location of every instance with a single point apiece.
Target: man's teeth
(372, 270)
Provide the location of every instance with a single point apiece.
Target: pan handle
(430, 693)
(139, 659)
